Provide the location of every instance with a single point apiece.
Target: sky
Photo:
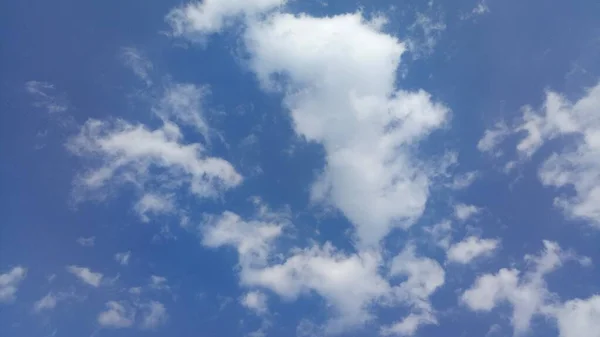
(300, 168)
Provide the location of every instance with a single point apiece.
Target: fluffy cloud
(471, 248)
(154, 204)
(255, 301)
(210, 16)
(9, 283)
(579, 317)
(338, 79)
(574, 166)
(526, 292)
(117, 315)
(492, 138)
(123, 258)
(423, 277)
(129, 152)
(463, 211)
(86, 275)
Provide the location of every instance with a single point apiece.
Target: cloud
(155, 314)
(525, 292)
(117, 316)
(123, 258)
(463, 211)
(211, 16)
(425, 31)
(423, 277)
(183, 104)
(159, 283)
(86, 275)
(576, 166)
(155, 204)
(128, 153)
(493, 137)
(45, 96)
(441, 233)
(579, 317)
(138, 63)
(462, 181)
(50, 300)
(471, 248)
(255, 301)
(9, 283)
(337, 74)
(86, 242)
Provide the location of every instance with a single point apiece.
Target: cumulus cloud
(9, 283)
(493, 137)
(471, 248)
(117, 315)
(153, 204)
(463, 211)
(338, 79)
(462, 181)
(579, 317)
(86, 242)
(123, 258)
(159, 283)
(129, 152)
(86, 275)
(441, 233)
(211, 16)
(575, 166)
(255, 301)
(525, 292)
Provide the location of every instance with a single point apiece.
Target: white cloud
(86, 242)
(45, 96)
(46, 303)
(330, 274)
(138, 63)
(155, 204)
(155, 314)
(255, 301)
(159, 283)
(575, 166)
(526, 292)
(471, 248)
(462, 181)
(463, 211)
(123, 258)
(441, 233)
(211, 16)
(339, 74)
(117, 316)
(425, 33)
(253, 239)
(86, 275)
(129, 152)
(182, 103)
(9, 283)
(579, 317)
(423, 277)
(492, 138)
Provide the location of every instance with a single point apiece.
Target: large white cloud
(9, 283)
(338, 75)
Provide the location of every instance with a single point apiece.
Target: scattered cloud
(9, 283)
(463, 211)
(50, 300)
(159, 283)
(138, 63)
(45, 96)
(117, 315)
(462, 181)
(255, 301)
(492, 138)
(183, 104)
(154, 315)
(123, 258)
(129, 152)
(86, 275)
(86, 242)
(154, 204)
(471, 248)
(441, 233)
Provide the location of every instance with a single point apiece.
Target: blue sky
(299, 168)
